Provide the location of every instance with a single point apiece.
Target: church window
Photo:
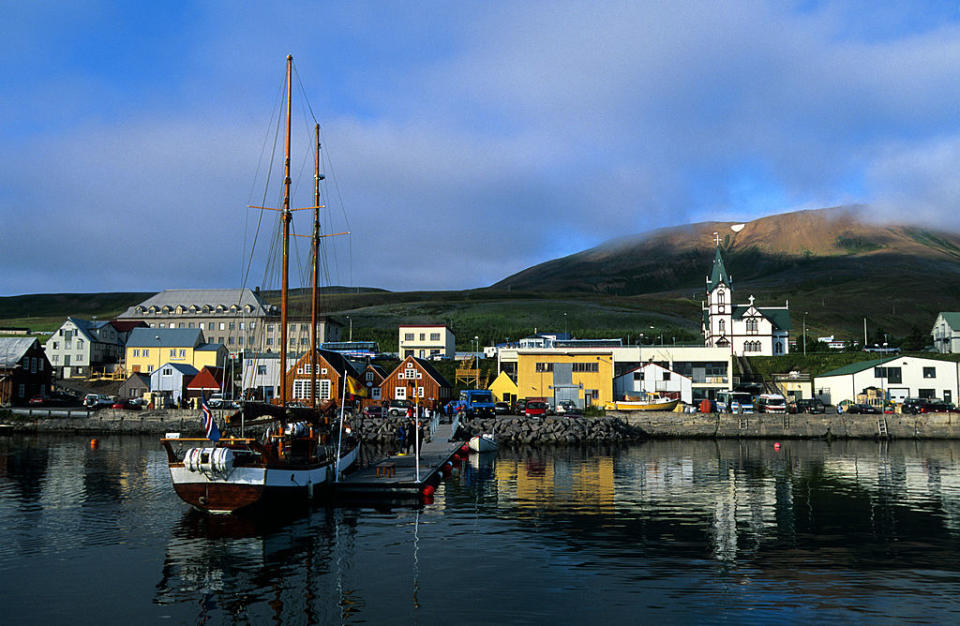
(723, 326)
(751, 326)
(721, 299)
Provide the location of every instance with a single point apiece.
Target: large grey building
(236, 318)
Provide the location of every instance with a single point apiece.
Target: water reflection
(679, 529)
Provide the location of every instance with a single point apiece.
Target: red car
(535, 409)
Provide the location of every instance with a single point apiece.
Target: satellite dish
(737, 227)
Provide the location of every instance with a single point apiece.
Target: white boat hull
(482, 443)
(243, 487)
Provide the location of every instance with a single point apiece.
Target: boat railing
(434, 423)
(455, 423)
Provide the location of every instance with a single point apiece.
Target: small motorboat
(483, 443)
(650, 403)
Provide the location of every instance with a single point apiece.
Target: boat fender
(428, 491)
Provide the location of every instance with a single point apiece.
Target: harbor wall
(801, 425)
(616, 426)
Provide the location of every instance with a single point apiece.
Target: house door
(947, 395)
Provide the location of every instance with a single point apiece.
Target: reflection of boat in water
(294, 459)
(485, 442)
(648, 403)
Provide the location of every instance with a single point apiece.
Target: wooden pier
(395, 477)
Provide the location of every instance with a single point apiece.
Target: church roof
(719, 273)
(779, 317)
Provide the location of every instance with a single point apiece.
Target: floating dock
(395, 477)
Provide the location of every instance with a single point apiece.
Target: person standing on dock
(401, 436)
(409, 436)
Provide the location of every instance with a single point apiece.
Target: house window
(408, 336)
(369, 376)
(544, 367)
(222, 325)
(929, 372)
(173, 354)
(240, 340)
(269, 341)
(926, 393)
(375, 393)
(423, 336)
(302, 388)
(146, 352)
(233, 325)
(419, 392)
(167, 371)
(585, 367)
(434, 336)
(666, 376)
(149, 369)
(79, 344)
(241, 326)
(400, 393)
(261, 370)
(892, 374)
(638, 376)
(324, 389)
(201, 326)
(136, 352)
(183, 354)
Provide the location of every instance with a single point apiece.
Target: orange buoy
(94, 443)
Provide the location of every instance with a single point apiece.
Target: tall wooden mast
(285, 217)
(316, 268)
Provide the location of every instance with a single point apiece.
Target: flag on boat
(209, 426)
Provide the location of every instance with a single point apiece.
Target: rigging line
(340, 202)
(266, 187)
(304, 93)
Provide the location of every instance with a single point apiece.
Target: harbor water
(668, 531)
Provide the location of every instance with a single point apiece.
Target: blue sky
(467, 140)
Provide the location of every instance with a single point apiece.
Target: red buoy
(776, 446)
(428, 491)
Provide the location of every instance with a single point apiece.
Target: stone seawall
(802, 425)
(105, 421)
(615, 427)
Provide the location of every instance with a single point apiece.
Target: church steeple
(719, 273)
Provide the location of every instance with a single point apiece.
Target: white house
(899, 377)
(746, 329)
(81, 344)
(946, 332)
(653, 378)
(170, 380)
(261, 374)
(426, 340)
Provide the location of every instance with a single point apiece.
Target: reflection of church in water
(747, 329)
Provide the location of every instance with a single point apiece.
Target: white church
(748, 330)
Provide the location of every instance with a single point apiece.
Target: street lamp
(476, 355)
(564, 323)
(349, 319)
(804, 333)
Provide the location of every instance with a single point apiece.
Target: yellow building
(584, 377)
(149, 348)
(504, 389)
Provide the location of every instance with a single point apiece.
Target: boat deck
(395, 476)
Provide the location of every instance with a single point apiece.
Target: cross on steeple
(716, 239)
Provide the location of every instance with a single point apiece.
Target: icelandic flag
(209, 426)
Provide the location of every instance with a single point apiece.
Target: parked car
(398, 407)
(125, 405)
(97, 401)
(925, 405)
(373, 410)
(535, 409)
(771, 403)
(565, 406)
(37, 400)
(807, 406)
(520, 406)
(861, 409)
(502, 408)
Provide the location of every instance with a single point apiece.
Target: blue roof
(164, 337)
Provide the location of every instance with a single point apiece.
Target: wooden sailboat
(296, 459)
